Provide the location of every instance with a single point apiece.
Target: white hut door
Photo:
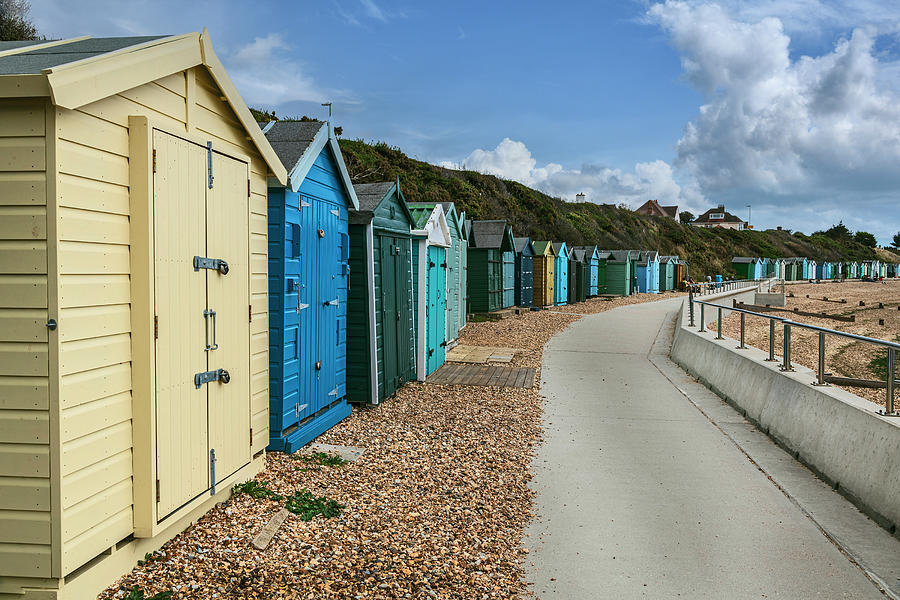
(192, 220)
(179, 192)
(228, 239)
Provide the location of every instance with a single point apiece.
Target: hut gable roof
(544, 248)
(524, 246)
(621, 255)
(429, 221)
(299, 143)
(590, 252)
(560, 248)
(453, 219)
(577, 253)
(493, 234)
(372, 195)
(743, 260)
(79, 71)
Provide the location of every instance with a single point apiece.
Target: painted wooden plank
(24, 560)
(23, 325)
(25, 426)
(24, 460)
(209, 100)
(82, 258)
(100, 196)
(23, 222)
(95, 509)
(93, 479)
(529, 379)
(24, 359)
(94, 447)
(157, 98)
(94, 321)
(21, 119)
(89, 226)
(24, 493)
(174, 83)
(88, 130)
(117, 109)
(29, 188)
(23, 291)
(22, 154)
(83, 161)
(83, 355)
(104, 535)
(93, 290)
(265, 536)
(25, 527)
(25, 393)
(85, 418)
(23, 257)
(85, 386)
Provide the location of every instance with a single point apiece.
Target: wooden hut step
(483, 375)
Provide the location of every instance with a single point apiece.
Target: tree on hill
(839, 232)
(686, 217)
(866, 239)
(14, 22)
(896, 243)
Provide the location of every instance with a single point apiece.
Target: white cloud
(373, 11)
(266, 74)
(512, 160)
(815, 127)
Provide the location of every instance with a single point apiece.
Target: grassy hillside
(535, 214)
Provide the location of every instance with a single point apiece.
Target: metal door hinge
(336, 213)
(251, 437)
(157, 490)
(209, 171)
(249, 313)
(334, 302)
(154, 160)
(155, 327)
(248, 188)
(212, 471)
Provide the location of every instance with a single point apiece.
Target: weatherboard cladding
(544, 273)
(524, 272)
(308, 287)
(491, 264)
(455, 272)
(592, 258)
(561, 273)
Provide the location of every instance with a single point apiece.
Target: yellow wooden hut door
(202, 319)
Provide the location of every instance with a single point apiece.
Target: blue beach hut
(308, 247)
(561, 273)
(648, 272)
(430, 285)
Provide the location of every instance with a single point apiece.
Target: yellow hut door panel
(228, 226)
(202, 319)
(179, 192)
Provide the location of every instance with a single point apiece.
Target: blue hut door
(329, 305)
(436, 285)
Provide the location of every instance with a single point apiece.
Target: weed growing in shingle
(321, 458)
(303, 504)
(138, 594)
(256, 489)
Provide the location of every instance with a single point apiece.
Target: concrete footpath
(641, 495)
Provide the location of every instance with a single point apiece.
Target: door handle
(207, 314)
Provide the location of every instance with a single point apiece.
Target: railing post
(786, 366)
(771, 341)
(891, 369)
(691, 304)
(702, 317)
(742, 346)
(821, 370)
(719, 326)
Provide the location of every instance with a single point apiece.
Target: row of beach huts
(802, 269)
(182, 288)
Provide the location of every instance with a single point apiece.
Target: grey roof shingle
(370, 195)
(290, 139)
(521, 243)
(487, 234)
(34, 61)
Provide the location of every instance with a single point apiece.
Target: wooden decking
(483, 375)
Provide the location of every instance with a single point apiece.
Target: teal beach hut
(561, 273)
(456, 259)
(430, 285)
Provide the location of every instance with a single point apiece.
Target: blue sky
(791, 106)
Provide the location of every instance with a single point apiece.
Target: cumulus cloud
(267, 74)
(778, 125)
(513, 160)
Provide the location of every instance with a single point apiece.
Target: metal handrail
(788, 324)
